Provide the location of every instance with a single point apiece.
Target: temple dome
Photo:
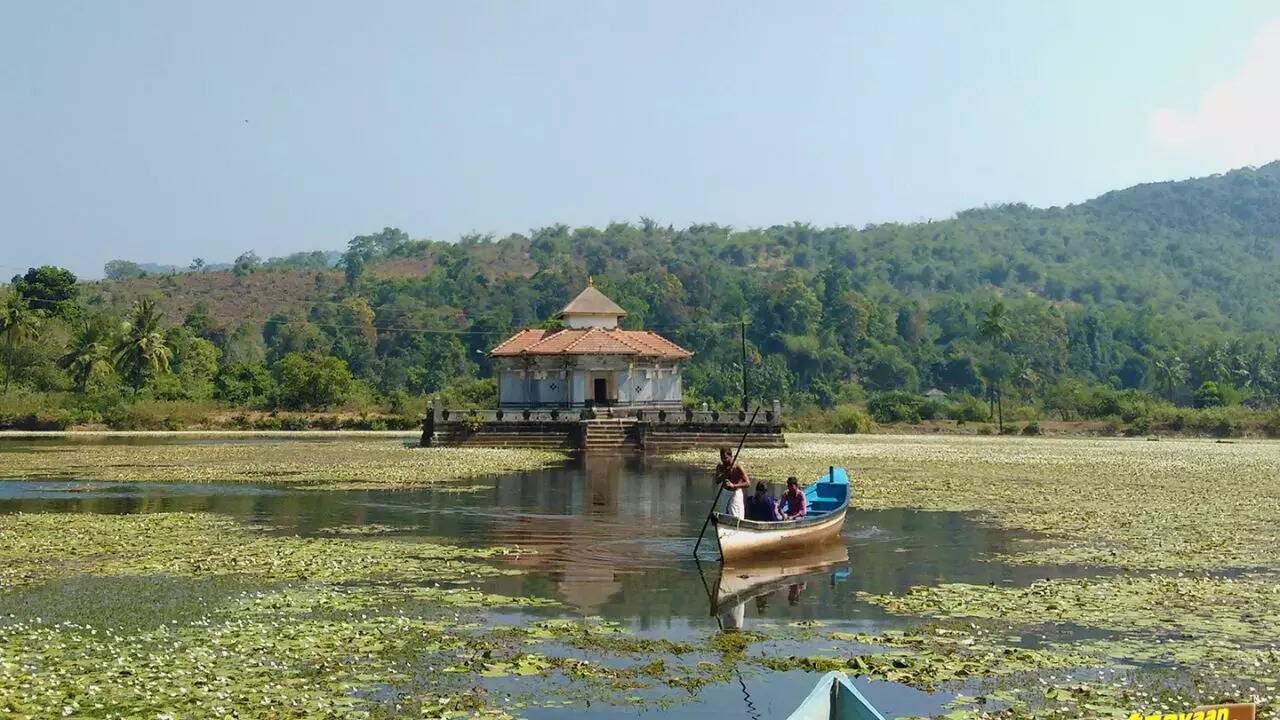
(591, 308)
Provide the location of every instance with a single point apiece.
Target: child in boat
(794, 504)
(762, 506)
(735, 480)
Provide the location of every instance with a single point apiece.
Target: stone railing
(443, 415)
(768, 416)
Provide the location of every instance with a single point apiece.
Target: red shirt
(794, 503)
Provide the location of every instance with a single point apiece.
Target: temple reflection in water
(588, 519)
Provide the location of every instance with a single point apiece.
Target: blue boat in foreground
(835, 698)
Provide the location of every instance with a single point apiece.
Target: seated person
(793, 502)
(762, 506)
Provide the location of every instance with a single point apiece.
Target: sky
(163, 130)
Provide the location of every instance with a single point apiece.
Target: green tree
(1170, 373)
(993, 327)
(195, 361)
(1209, 394)
(246, 263)
(312, 382)
(19, 324)
(122, 270)
(198, 320)
(142, 348)
(88, 355)
(48, 290)
(895, 406)
(438, 359)
(243, 384)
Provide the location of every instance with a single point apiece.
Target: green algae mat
(1184, 536)
(1172, 601)
(339, 464)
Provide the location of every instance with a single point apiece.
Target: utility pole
(744, 365)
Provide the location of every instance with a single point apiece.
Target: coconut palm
(994, 328)
(142, 348)
(1170, 373)
(1026, 380)
(994, 325)
(88, 355)
(19, 324)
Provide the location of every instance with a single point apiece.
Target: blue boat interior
(828, 492)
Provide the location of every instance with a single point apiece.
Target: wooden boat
(827, 500)
(835, 698)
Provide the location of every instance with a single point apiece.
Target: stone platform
(601, 429)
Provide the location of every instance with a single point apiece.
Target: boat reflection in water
(759, 579)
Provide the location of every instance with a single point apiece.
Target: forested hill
(1158, 286)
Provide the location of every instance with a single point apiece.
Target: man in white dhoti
(734, 479)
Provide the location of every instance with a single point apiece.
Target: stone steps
(609, 434)
(674, 441)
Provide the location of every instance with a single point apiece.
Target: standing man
(734, 479)
(793, 503)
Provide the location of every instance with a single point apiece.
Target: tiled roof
(592, 302)
(589, 341)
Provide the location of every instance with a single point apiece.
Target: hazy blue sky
(160, 131)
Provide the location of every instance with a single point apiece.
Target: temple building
(590, 362)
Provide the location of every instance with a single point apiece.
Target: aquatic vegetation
(1182, 632)
(43, 546)
(340, 464)
(1243, 610)
(261, 658)
(928, 657)
(1216, 635)
(336, 627)
(1173, 504)
(377, 621)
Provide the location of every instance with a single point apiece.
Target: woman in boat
(762, 506)
(734, 479)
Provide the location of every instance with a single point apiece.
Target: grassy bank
(1132, 419)
(1105, 414)
(67, 411)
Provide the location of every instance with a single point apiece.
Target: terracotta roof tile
(520, 341)
(591, 341)
(554, 342)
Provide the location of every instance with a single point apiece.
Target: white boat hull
(744, 538)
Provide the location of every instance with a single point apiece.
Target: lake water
(613, 537)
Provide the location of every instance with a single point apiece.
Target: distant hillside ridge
(1204, 246)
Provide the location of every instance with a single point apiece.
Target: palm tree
(1210, 364)
(1026, 379)
(994, 328)
(142, 347)
(89, 354)
(18, 324)
(1170, 372)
